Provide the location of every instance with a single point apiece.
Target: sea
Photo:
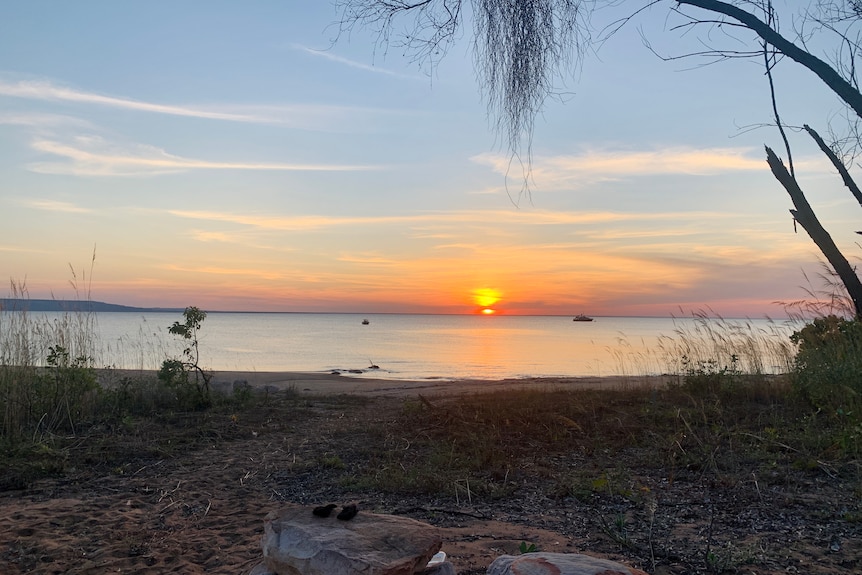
(445, 347)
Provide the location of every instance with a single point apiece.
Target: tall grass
(52, 386)
(46, 369)
(710, 343)
(715, 343)
(143, 350)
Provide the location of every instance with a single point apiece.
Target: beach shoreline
(366, 384)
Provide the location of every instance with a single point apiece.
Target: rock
(261, 569)
(296, 542)
(558, 564)
(442, 568)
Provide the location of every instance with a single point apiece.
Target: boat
(582, 317)
(365, 322)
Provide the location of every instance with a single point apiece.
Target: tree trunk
(809, 222)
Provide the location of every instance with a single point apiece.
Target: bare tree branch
(824, 71)
(836, 161)
(769, 58)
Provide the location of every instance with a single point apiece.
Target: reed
(710, 344)
(143, 350)
(47, 381)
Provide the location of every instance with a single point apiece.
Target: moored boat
(582, 317)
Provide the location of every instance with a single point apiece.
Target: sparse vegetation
(53, 396)
(726, 425)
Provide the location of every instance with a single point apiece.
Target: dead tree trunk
(836, 161)
(809, 222)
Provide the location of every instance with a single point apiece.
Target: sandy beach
(366, 384)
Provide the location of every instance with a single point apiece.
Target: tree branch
(824, 71)
(836, 161)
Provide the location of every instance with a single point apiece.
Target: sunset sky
(233, 156)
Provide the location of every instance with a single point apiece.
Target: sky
(245, 156)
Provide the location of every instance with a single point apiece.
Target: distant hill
(71, 305)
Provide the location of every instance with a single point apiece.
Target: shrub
(828, 367)
(190, 381)
(705, 378)
(68, 390)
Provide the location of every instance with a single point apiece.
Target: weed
(331, 462)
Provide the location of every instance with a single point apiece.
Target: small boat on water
(582, 317)
(365, 322)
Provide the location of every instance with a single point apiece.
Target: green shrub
(190, 381)
(70, 390)
(709, 378)
(828, 368)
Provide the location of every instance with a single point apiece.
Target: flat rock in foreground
(558, 564)
(296, 542)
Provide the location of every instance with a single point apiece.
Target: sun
(485, 298)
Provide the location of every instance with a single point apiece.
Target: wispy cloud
(663, 161)
(367, 258)
(499, 218)
(205, 236)
(55, 206)
(42, 90)
(93, 156)
(594, 165)
(35, 120)
(348, 62)
(267, 274)
(20, 250)
(301, 116)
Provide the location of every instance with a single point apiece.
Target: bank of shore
(367, 384)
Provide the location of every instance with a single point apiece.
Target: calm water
(419, 346)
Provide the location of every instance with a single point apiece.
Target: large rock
(558, 564)
(296, 542)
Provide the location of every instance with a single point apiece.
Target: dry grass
(728, 428)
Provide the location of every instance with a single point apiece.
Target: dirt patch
(188, 494)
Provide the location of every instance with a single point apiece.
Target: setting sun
(485, 298)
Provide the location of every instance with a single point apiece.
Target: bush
(176, 377)
(39, 401)
(828, 367)
(190, 381)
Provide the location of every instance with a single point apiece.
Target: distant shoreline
(75, 306)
